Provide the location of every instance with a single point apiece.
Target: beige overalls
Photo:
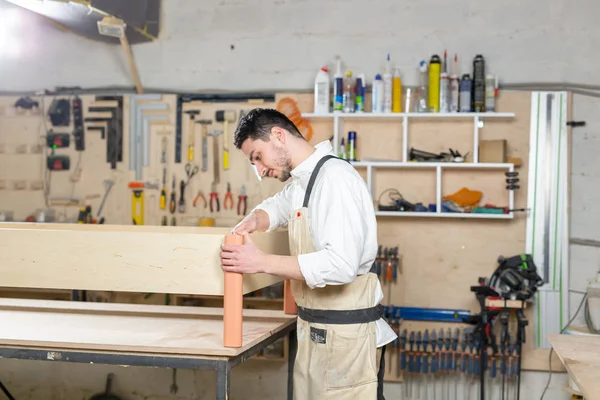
(337, 352)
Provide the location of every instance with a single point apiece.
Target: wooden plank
(124, 258)
(581, 357)
(130, 328)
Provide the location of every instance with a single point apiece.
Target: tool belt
(341, 317)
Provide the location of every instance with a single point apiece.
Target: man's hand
(246, 258)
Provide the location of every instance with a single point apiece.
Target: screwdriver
(402, 359)
(163, 192)
(434, 361)
(173, 196)
(181, 199)
(418, 363)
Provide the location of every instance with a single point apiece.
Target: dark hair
(257, 124)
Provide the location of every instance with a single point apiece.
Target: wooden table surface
(175, 330)
(581, 357)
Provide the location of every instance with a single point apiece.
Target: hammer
(215, 133)
(225, 116)
(204, 122)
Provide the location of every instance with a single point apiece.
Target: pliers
(214, 196)
(228, 202)
(242, 200)
(200, 195)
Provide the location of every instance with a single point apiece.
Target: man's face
(271, 158)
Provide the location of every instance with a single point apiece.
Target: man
(333, 244)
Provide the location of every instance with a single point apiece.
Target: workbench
(581, 357)
(138, 335)
(139, 259)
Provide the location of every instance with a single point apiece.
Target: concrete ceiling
(81, 16)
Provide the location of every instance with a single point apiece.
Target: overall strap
(313, 177)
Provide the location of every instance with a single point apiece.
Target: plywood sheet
(129, 328)
(581, 357)
(156, 259)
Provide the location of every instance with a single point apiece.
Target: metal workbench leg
(223, 380)
(292, 347)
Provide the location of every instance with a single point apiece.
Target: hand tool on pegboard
(225, 116)
(163, 192)
(216, 169)
(137, 202)
(191, 133)
(199, 196)
(203, 123)
(181, 205)
(214, 199)
(242, 201)
(228, 201)
(172, 203)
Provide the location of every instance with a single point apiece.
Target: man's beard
(284, 162)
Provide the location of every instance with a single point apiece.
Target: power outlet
(58, 163)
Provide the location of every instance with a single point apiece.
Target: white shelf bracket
(477, 124)
(438, 189)
(404, 139)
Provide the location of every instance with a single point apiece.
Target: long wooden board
(581, 357)
(124, 258)
(175, 330)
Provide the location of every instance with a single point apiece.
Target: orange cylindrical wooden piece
(289, 304)
(233, 298)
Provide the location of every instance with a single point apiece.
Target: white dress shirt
(343, 224)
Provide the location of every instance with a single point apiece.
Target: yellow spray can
(435, 65)
(396, 92)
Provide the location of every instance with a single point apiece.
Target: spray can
(338, 88)
(465, 87)
(359, 100)
(435, 65)
(396, 92)
(454, 86)
(490, 93)
(351, 154)
(478, 84)
(377, 101)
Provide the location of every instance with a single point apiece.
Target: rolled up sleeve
(278, 208)
(340, 226)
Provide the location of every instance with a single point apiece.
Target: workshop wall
(540, 43)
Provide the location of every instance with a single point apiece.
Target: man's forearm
(286, 267)
(262, 220)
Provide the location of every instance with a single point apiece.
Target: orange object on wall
(233, 302)
(289, 108)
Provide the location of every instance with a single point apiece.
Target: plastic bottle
(322, 99)
(348, 96)
(423, 94)
(377, 101)
(396, 91)
(338, 88)
(387, 87)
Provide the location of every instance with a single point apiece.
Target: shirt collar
(306, 167)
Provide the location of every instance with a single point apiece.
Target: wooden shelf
(409, 115)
